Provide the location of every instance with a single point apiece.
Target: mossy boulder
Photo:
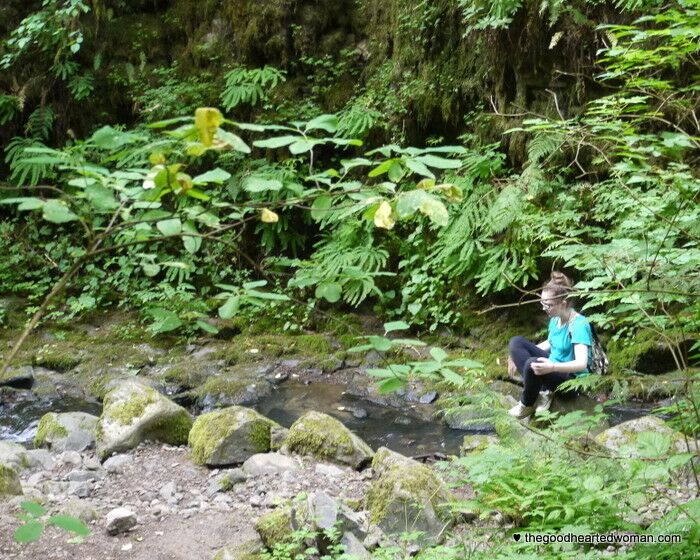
(476, 443)
(229, 436)
(407, 496)
(9, 482)
(72, 431)
(134, 412)
(276, 527)
(622, 439)
(321, 436)
(230, 390)
(247, 550)
(13, 455)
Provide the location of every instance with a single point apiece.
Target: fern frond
(250, 86)
(40, 123)
(542, 145)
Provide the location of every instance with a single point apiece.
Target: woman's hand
(542, 366)
(512, 370)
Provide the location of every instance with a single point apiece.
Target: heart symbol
(516, 537)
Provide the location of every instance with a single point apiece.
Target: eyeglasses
(547, 306)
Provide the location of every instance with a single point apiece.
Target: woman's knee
(516, 342)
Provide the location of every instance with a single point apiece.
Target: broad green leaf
(256, 184)
(302, 146)
(390, 385)
(330, 291)
(329, 123)
(396, 326)
(230, 308)
(214, 176)
(419, 168)
(396, 172)
(438, 162)
(320, 207)
(150, 269)
(24, 203)
(168, 122)
(29, 532)
(170, 227)
(438, 354)
(452, 376)
(232, 140)
(109, 138)
(69, 523)
(379, 343)
(277, 142)
(57, 212)
(101, 197)
(382, 168)
(206, 327)
(191, 243)
(37, 510)
(435, 210)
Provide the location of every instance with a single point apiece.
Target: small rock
(40, 459)
(119, 520)
(116, 464)
(91, 463)
(269, 463)
(329, 470)
(80, 489)
(428, 397)
(168, 491)
(81, 476)
(354, 548)
(70, 458)
(359, 413)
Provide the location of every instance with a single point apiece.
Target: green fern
(250, 86)
(543, 145)
(40, 123)
(25, 166)
(9, 107)
(356, 121)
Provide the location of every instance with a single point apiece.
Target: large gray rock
(229, 436)
(269, 463)
(247, 550)
(622, 439)
(63, 431)
(322, 436)
(134, 412)
(407, 496)
(13, 455)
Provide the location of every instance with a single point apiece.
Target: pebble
(119, 520)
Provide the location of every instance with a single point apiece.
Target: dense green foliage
(420, 159)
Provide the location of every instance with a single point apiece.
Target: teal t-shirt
(562, 339)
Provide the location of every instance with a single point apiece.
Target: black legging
(524, 353)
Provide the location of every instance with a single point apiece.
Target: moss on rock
(134, 412)
(322, 436)
(229, 436)
(9, 482)
(275, 527)
(58, 357)
(408, 496)
(48, 429)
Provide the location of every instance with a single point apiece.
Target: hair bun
(560, 279)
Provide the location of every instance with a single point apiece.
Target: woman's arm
(544, 345)
(580, 362)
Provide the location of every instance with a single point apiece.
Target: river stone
(276, 527)
(622, 439)
(277, 436)
(408, 496)
(476, 443)
(66, 431)
(229, 436)
(10, 484)
(353, 547)
(134, 412)
(40, 459)
(325, 512)
(475, 418)
(13, 455)
(322, 436)
(20, 378)
(269, 463)
(118, 463)
(119, 520)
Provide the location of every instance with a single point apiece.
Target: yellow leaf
(382, 217)
(157, 158)
(426, 184)
(451, 191)
(185, 182)
(207, 120)
(268, 216)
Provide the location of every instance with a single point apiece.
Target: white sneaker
(521, 411)
(544, 401)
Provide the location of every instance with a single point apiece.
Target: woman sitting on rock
(563, 356)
